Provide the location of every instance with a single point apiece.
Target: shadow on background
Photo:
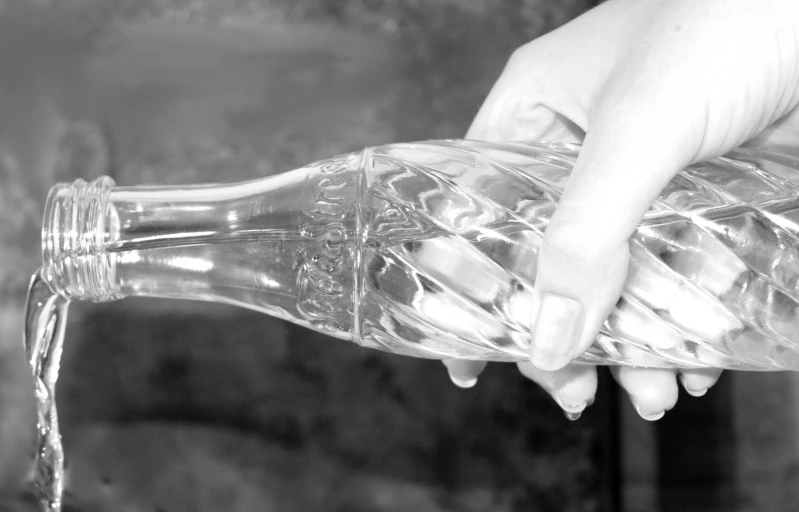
(696, 448)
(735, 449)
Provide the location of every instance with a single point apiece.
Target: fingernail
(555, 331)
(573, 412)
(647, 415)
(652, 417)
(463, 383)
(696, 392)
(693, 392)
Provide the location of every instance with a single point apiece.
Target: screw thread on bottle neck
(79, 221)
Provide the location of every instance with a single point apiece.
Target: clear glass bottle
(429, 249)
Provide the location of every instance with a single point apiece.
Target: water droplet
(573, 416)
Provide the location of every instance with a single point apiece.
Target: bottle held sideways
(429, 249)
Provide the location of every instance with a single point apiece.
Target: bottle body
(430, 250)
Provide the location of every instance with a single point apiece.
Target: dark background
(183, 406)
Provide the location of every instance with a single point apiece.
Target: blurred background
(170, 406)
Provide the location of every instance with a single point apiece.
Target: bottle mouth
(79, 221)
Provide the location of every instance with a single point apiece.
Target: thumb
(675, 98)
(625, 162)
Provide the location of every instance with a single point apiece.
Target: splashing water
(45, 322)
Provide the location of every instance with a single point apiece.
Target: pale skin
(648, 87)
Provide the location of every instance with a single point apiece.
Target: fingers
(584, 258)
(630, 155)
(572, 387)
(645, 126)
(647, 121)
(529, 102)
(539, 98)
(653, 391)
(536, 98)
(464, 373)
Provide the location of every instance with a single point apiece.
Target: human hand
(649, 87)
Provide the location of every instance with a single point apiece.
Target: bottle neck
(78, 223)
(277, 244)
(93, 232)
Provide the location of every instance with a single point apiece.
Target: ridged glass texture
(430, 249)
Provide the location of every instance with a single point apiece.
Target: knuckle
(572, 244)
(579, 237)
(524, 59)
(581, 260)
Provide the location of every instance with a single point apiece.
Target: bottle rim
(78, 220)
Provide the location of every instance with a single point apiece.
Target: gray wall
(201, 407)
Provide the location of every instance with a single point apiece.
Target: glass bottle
(429, 249)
